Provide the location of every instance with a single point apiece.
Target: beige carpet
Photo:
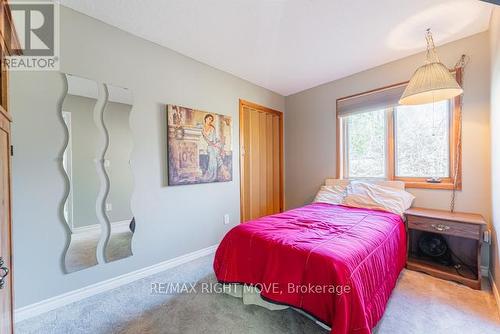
(420, 304)
(423, 304)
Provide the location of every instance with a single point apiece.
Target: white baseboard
(96, 227)
(53, 303)
(121, 224)
(496, 293)
(88, 228)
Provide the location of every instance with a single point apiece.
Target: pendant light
(431, 82)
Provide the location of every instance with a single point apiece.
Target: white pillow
(385, 183)
(331, 194)
(374, 196)
(337, 182)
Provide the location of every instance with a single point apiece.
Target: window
(422, 139)
(379, 139)
(365, 143)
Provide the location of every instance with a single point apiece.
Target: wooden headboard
(391, 184)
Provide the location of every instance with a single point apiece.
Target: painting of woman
(213, 151)
(199, 146)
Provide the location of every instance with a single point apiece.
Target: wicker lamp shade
(431, 82)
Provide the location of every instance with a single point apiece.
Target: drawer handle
(440, 227)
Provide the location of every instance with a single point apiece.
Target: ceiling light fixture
(431, 82)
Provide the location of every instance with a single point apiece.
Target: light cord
(461, 64)
(432, 56)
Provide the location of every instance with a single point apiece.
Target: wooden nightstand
(463, 233)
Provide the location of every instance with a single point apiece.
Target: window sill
(428, 185)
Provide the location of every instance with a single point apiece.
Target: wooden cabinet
(463, 233)
(6, 292)
(8, 42)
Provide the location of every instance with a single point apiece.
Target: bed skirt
(251, 296)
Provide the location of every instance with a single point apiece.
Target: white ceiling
(291, 45)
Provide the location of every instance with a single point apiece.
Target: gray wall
(171, 221)
(495, 141)
(310, 151)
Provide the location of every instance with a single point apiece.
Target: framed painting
(199, 146)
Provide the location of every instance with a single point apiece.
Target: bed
(338, 264)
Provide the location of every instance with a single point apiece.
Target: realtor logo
(37, 29)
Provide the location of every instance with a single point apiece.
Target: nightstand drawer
(447, 227)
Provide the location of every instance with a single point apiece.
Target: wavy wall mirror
(119, 215)
(79, 163)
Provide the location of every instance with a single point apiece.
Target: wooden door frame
(244, 103)
(9, 45)
(5, 127)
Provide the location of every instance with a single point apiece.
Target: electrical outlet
(226, 219)
(109, 207)
(487, 236)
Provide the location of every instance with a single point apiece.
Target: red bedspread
(337, 263)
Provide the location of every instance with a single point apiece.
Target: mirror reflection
(117, 165)
(79, 163)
